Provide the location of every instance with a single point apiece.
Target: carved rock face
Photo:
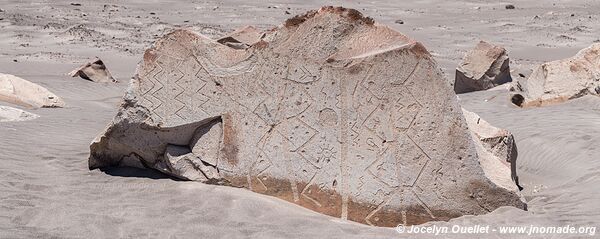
(330, 111)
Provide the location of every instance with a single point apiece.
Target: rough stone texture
(561, 80)
(181, 162)
(330, 111)
(8, 114)
(498, 144)
(95, 71)
(18, 91)
(482, 68)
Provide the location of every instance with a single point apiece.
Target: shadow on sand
(136, 172)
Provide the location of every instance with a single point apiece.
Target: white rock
(8, 114)
(18, 91)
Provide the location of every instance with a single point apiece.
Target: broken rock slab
(561, 80)
(482, 68)
(497, 150)
(329, 111)
(8, 114)
(18, 91)
(94, 70)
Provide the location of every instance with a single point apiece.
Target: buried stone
(329, 111)
(94, 70)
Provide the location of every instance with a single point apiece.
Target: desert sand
(47, 191)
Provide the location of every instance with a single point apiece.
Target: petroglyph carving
(331, 111)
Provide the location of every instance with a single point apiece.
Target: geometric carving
(330, 111)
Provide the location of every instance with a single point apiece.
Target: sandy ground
(46, 190)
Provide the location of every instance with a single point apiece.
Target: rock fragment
(95, 71)
(242, 38)
(484, 67)
(495, 144)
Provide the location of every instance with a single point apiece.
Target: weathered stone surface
(561, 80)
(18, 91)
(180, 162)
(8, 114)
(494, 144)
(330, 111)
(482, 68)
(95, 71)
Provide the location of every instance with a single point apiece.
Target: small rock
(399, 22)
(572, 14)
(509, 6)
(484, 67)
(152, 13)
(15, 60)
(94, 70)
(76, 4)
(286, 12)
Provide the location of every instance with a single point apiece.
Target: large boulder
(18, 91)
(497, 150)
(330, 111)
(484, 67)
(94, 70)
(561, 80)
